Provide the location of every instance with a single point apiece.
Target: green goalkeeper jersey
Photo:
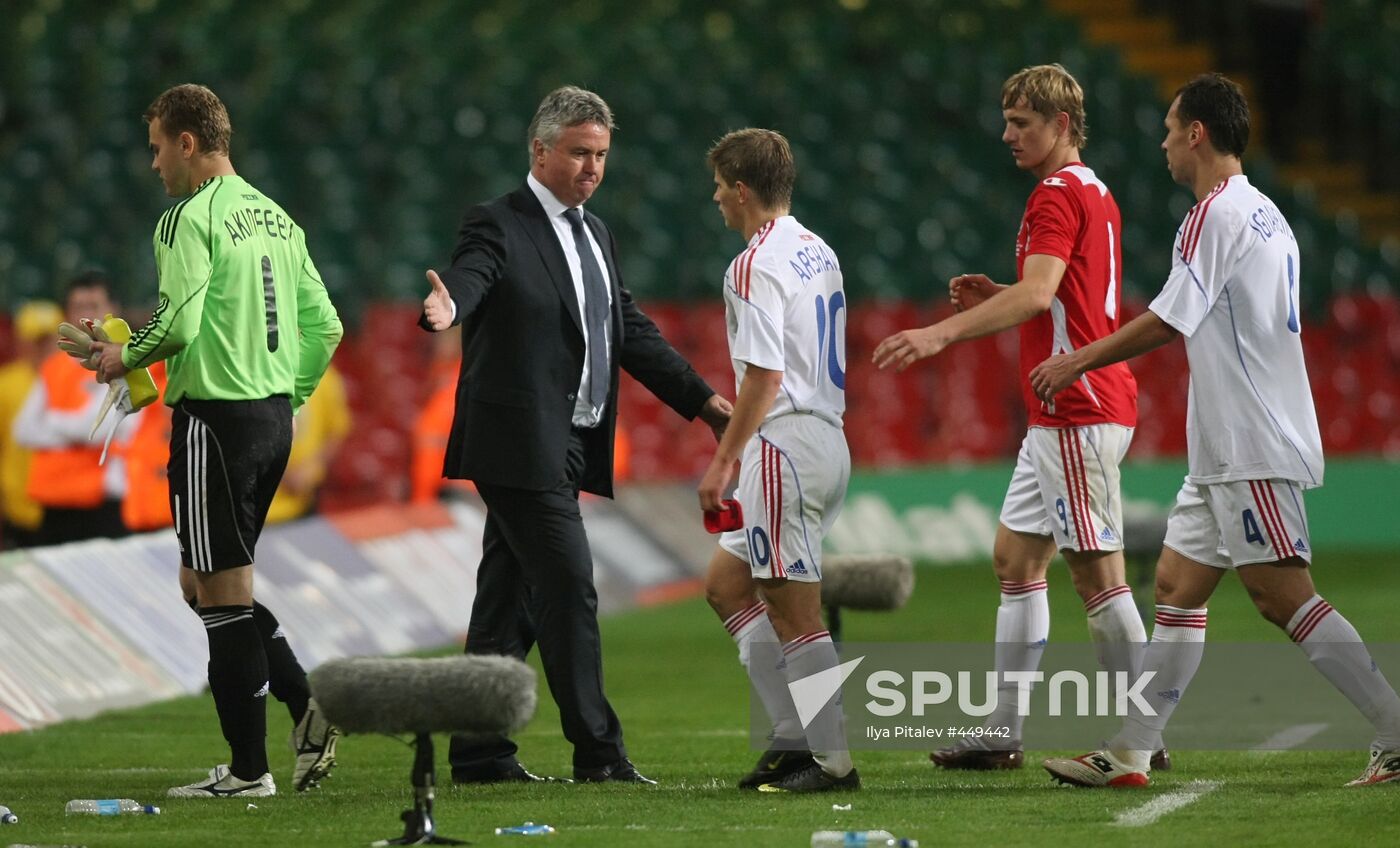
(242, 313)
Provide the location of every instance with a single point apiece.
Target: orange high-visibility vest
(67, 477)
(147, 502)
(430, 434)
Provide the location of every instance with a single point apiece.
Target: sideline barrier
(98, 625)
(950, 514)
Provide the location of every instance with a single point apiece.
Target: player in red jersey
(1064, 493)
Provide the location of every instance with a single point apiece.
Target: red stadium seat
(964, 405)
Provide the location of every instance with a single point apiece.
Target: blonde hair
(1048, 90)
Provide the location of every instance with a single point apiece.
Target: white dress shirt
(585, 415)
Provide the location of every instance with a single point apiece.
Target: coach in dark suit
(546, 325)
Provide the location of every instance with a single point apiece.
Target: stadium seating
(1356, 59)
(375, 130)
(375, 142)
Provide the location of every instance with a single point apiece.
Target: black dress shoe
(515, 773)
(622, 771)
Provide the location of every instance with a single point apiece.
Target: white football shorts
(792, 482)
(1066, 485)
(1239, 523)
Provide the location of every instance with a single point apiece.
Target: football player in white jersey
(785, 312)
(1252, 440)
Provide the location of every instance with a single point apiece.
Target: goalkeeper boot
(1384, 767)
(221, 783)
(1095, 769)
(313, 740)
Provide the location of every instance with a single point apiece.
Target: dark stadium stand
(376, 122)
(377, 131)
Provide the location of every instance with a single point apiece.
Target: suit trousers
(535, 584)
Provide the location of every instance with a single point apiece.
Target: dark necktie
(595, 312)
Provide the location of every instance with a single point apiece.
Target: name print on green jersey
(242, 223)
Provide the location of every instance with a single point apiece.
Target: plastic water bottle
(7, 816)
(109, 807)
(526, 829)
(860, 839)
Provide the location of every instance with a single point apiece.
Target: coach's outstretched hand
(716, 413)
(437, 306)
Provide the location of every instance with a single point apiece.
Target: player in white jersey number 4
(785, 313)
(1252, 440)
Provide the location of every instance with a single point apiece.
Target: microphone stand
(418, 826)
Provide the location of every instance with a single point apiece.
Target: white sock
(1174, 654)
(1116, 628)
(1023, 626)
(751, 625)
(1335, 648)
(826, 732)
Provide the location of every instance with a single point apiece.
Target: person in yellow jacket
(35, 326)
(317, 434)
(81, 499)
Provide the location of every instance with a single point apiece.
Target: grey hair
(565, 107)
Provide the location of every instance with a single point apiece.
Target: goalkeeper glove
(142, 387)
(76, 341)
(125, 394)
(119, 399)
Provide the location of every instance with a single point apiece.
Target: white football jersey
(785, 311)
(1233, 293)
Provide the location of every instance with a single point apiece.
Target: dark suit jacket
(522, 351)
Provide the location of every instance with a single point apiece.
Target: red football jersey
(1073, 216)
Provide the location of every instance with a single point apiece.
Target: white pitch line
(1289, 737)
(1161, 805)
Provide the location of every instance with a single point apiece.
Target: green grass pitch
(673, 676)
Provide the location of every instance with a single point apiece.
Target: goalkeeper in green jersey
(246, 328)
